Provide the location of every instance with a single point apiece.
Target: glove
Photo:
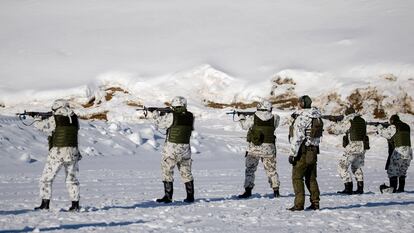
(155, 114)
(292, 160)
(241, 117)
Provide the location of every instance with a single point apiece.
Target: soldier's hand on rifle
(155, 114)
(242, 117)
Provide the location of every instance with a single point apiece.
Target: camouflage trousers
(269, 164)
(55, 161)
(356, 161)
(398, 164)
(168, 164)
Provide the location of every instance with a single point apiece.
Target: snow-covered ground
(120, 178)
(109, 57)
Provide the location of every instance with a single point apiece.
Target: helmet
(60, 103)
(349, 110)
(264, 105)
(394, 118)
(179, 101)
(305, 101)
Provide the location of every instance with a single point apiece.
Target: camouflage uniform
(174, 153)
(66, 157)
(401, 156)
(265, 152)
(304, 150)
(354, 154)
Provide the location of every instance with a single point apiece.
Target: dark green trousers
(305, 168)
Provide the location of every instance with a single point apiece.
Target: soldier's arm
(164, 121)
(277, 120)
(299, 135)
(342, 127)
(388, 132)
(47, 125)
(246, 122)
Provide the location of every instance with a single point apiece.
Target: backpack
(316, 130)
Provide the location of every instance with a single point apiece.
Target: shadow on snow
(370, 205)
(76, 226)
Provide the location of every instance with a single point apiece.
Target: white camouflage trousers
(399, 162)
(269, 164)
(356, 161)
(66, 157)
(183, 164)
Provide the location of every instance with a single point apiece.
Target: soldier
(176, 150)
(399, 135)
(262, 146)
(307, 131)
(355, 129)
(63, 127)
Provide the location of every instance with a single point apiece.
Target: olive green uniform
(304, 149)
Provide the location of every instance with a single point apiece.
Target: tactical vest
(263, 131)
(402, 136)
(180, 131)
(358, 129)
(65, 133)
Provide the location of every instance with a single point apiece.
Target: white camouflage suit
(401, 156)
(66, 157)
(302, 123)
(354, 154)
(173, 153)
(265, 152)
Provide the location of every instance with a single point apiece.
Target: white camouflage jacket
(48, 125)
(302, 123)
(266, 149)
(354, 147)
(171, 149)
(388, 132)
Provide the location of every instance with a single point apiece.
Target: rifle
(333, 118)
(384, 124)
(42, 115)
(238, 113)
(162, 110)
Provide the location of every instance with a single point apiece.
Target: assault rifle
(162, 110)
(333, 118)
(238, 113)
(384, 124)
(42, 115)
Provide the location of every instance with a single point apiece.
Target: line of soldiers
(305, 135)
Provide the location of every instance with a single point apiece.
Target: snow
(120, 178)
(117, 56)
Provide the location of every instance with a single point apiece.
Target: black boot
(295, 208)
(383, 187)
(394, 183)
(168, 189)
(360, 187)
(75, 206)
(276, 192)
(348, 188)
(44, 205)
(189, 188)
(401, 185)
(313, 206)
(247, 193)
